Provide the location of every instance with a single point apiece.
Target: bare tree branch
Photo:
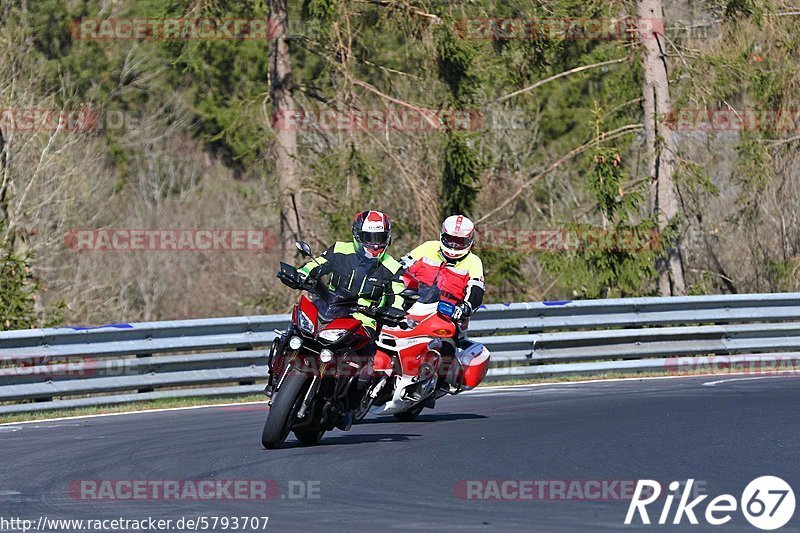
(400, 5)
(557, 76)
(611, 135)
(397, 101)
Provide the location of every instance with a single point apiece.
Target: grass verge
(149, 405)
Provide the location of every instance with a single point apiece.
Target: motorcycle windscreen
(349, 283)
(338, 301)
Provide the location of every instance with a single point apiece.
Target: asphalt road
(385, 475)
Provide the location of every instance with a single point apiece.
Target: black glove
(462, 310)
(308, 281)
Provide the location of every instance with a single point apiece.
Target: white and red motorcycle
(409, 372)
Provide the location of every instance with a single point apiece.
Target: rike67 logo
(767, 503)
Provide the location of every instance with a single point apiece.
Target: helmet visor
(456, 243)
(374, 239)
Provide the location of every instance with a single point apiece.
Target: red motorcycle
(314, 365)
(409, 369)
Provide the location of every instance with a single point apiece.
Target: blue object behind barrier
(446, 308)
(118, 326)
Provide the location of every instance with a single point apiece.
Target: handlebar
(390, 316)
(290, 276)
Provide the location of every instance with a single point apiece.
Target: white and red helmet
(458, 235)
(372, 232)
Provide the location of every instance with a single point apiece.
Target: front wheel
(363, 407)
(411, 414)
(285, 404)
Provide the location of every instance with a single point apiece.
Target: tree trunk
(659, 141)
(280, 90)
(4, 189)
(12, 241)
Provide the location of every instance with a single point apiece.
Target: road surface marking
(712, 383)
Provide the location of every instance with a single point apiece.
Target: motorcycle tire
(363, 408)
(285, 404)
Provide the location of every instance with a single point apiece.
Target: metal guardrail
(56, 368)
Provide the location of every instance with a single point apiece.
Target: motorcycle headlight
(305, 323)
(325, 355)
(332, 335)
(295, 343)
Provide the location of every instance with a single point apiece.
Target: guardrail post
(146, 389)
(247, 381)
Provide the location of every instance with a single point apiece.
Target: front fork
(310, 393)
(341, 387)
(278, 347)
(376, 389)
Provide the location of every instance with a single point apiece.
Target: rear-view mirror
(304, 248)
(409, 294)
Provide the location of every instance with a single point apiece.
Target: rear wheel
(411, 414)
(285, 404)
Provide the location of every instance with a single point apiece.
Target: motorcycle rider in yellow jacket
(463, 283)
(453, 251)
